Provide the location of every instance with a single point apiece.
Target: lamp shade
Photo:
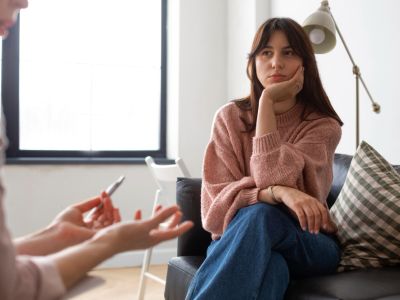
(321, 29)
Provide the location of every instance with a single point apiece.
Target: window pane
(90, 74)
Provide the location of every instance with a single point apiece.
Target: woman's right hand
(311, 213)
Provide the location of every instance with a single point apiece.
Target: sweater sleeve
(225, 187)
(305, 163)
(24, 277)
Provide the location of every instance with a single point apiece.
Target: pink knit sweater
(237, 165)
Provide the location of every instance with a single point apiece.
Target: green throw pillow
(367, 212)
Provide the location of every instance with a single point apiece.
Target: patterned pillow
(367, 212)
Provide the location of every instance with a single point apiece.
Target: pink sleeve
(225, 186)
(305, 163)
(24, 277)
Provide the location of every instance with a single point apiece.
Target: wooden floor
(118, 284)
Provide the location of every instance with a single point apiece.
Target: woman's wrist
(269, 195)
(278, 191)
(272, 194)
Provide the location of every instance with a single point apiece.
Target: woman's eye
(267, 53)
(289, 52)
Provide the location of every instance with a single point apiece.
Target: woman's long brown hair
(312, 95)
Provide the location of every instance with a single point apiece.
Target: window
(85, 80)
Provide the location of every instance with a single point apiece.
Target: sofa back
(196, 241)
(341, 164)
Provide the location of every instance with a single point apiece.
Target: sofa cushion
(367, 212)
(376, 284)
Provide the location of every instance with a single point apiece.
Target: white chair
(165, 177)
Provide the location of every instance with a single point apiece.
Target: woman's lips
(277, 77)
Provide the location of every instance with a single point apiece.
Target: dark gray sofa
(382, 284)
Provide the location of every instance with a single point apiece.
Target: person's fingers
(101, 219)
(167, 234)
(108, 206)
(309, 217)
(138, 215)
(317, 218)
(302, 218)
(97, 213)
(296, 75)
(162, 215)
(157, 208)
(117, 215)
(87, 205)
(176, 218)
(324, 216)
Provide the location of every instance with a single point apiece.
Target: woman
(266, 174)
(39, 266)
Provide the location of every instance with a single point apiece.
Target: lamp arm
(356, 70)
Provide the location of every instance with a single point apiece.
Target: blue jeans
(261, 249)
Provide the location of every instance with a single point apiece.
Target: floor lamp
(321, 28)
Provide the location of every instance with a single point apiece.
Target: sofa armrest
(196, 241)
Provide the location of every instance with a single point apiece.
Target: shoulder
(324, 127)
(228, 115)
(320, 120)
(228, 110)
(229, 122)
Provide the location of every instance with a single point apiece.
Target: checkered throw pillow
(367, 212)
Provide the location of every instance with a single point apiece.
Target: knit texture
(238, 165)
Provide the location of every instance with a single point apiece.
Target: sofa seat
(370, 284)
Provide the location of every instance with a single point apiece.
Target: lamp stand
(356, 71)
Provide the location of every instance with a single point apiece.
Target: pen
(110, 190)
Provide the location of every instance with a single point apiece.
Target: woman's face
(277, 61)
(8, 13)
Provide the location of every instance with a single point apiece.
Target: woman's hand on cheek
(281, 91)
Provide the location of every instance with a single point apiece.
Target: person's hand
(73, 263)
(102, 217)
(71, 226)
(312, 214)
(284, 90)
(140, 234)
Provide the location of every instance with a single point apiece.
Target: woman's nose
(277, 62)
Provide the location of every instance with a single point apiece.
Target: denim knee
(259, 210)
(262, 213)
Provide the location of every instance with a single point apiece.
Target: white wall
(370, 30)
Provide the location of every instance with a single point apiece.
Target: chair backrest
(166, 176)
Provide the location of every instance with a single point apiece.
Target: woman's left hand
(311, 213)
